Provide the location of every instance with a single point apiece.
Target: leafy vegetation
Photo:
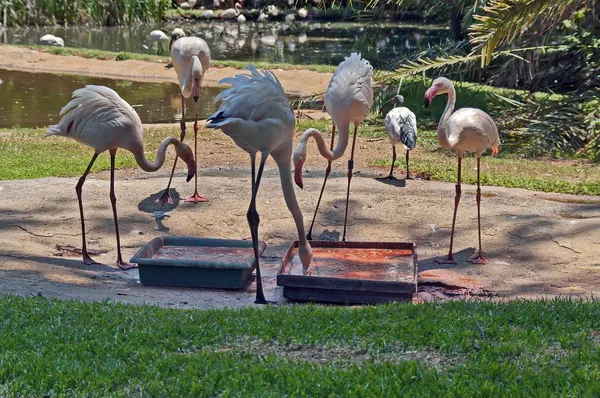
(520, 348)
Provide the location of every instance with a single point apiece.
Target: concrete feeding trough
(351, 273)
(196, 262)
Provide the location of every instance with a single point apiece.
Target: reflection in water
(35, 99)
(298, 43)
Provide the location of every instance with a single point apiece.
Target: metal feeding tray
(351, 272)
(196, 262)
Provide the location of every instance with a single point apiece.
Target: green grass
(121, 56)
(69, 348)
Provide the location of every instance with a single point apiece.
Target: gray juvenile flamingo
(467, 129)
(99, 118)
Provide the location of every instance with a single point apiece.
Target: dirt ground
(537, 244)
(296, 82)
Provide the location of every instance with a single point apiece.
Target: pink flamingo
(467, 129)
(99, 118)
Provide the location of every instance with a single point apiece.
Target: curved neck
(287, 185)
(145, 165)
(442, 133)
(340, 148)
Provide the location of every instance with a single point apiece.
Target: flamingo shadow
(149, 204)
(399, 183)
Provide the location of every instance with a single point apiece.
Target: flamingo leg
(350, 167)
(449, 259)
(327, 171)
(113, 200)
(408, 177)
(78, 188)
(166, 196)
(159, 49)
(254, 221)
(195, 198)
(479, 258)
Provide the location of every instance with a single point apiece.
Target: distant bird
(99, 118)
(290, 18)
(256, 114)
(51, 40)
(401, 125)
(191, 60)
(208, 14)
(241, 18)
(157, 36)
(467, 129)
(262, 17)
(274, 11)
(302, 13)
(232, 13)
(176, 34)
(348, 100)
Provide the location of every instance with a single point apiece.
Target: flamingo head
(441, 85)
(185, 153)
(299, 159)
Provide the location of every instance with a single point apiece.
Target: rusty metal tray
(351, 272)
(196, 262)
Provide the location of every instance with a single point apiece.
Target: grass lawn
(69, 348)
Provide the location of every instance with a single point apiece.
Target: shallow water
(301, 43)
(35, 99)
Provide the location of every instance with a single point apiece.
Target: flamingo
(290, 18)
(157, 36)
(51, 40)
(348, 100)
(467, 129)
(191, 60)
(176, 34)
(256, 114)
(274, 11)
(232, 13)
(99, 118)
(302, 13)
(401, 125)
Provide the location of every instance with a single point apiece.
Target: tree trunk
(456, 22)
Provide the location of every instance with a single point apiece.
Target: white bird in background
(191, 60)
(302, 13)
(290, 18)
(256, 114)
(232, 13)
(262, 17)
(401, 125)
(274, 11)
(208, 14)
(467, 129)
(156, 36)
(99, 118)
(51, 40)
(348, 100)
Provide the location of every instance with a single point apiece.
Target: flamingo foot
(409, 177)
(307, 271)
(169, 65)
(390, 177)
(195, 198)
(125, 266)
(477, 260)
(87, 260)
(165, 198)
(446, 260)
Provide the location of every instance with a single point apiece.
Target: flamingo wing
(401, 125)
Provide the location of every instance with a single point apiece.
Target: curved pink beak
(298, 174)
(196, 90)
(429, 95)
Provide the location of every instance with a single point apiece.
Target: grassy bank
(69, 348)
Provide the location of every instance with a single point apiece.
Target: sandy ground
(295, 82)
(537, 244)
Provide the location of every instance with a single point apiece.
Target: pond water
(35, 99)
(300, 43)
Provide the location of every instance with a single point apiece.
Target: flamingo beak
(196, 90)
(191, 171)
(298, 174)
(429, 95)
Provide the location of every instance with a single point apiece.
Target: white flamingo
(99, 118)
(302, 13)
(467, 129)
(156, 36)
(348, 100)
(51, 40)
(274, 11)
(256, 114)
(401, 125)
(232, 13)
(191, 60)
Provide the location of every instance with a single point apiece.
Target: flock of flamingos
(256, 114)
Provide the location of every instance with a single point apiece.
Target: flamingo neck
(442, 130)
(287, 185)
(339, 149)
(145, 165)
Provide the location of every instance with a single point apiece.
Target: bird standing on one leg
(348, 100)
(401, 125)
(256, 114)
(467, 129)
(99, 118)
(191, 60)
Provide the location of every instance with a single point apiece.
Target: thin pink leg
(350, 167)
(449, 259)
(113, 200)
(78, 188)
(478, 259)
